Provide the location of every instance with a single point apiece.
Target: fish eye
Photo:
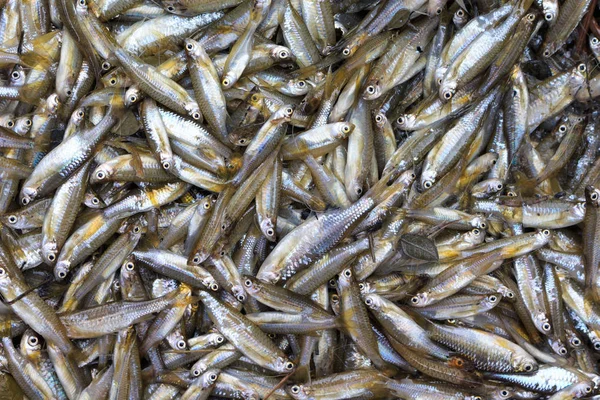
(62, 274)
(594, 41)
(196, 115)
(241, 298)
(214, 287)
(15, 75)
(220, 339)
(346, 129)
(596, 346)
(447, 95)
(438, 11)
(95, 200)
(181, 344)
(400, 120)
(563, 351)
(166, 165)
(546, 327)
(510, 295)
(346, 51)
(196, 372)
(361, 286)
(226, 82)
(332, 282)
(100, 175)
(289, 111)
(25, 201)
(500, 186)
(12, 219)
(254, 97)
(27, 122)
(493, 298)
(528, 367)
(283, 54)
(588, 389)
(369, 301)
(427, 184)
(547, 17)
(477, 398)
(359, 191)
(483, 225)
(594, 196)
(476, 231)
(196, 260)
(10, 124)
(206, 206)
(335, 297)
(460, 13)
(271, 335)
(80, 114)
(295, 389)
(189, 46)
(106, 65)
(301, 84)
(459, 362)
(133, 98)
(347, 273)
(242, 141)
(414, 300)
(248, 283)
(51, 257)
(170, 8)
(129, 266)
(504, 393)
(2, 272)
(581, 67)
(378, 118)
(370, 89)
(32, 340)
(546, 53)
(69, 92)
(546, 232)
(575, 342)
(270, 232)
(82, 2)
(562, 129)
(413, 176)
(212, 377)
(289, 365)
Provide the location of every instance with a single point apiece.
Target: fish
(320, 199)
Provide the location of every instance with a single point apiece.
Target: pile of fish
(299, 199)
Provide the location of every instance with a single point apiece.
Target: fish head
(420, 299)
(373, 301)
(524, 363)
(268, 274)
(406, 121)
(268, 229)
(209, 378)
(447, 89)
(428, 179)
(298, 391)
